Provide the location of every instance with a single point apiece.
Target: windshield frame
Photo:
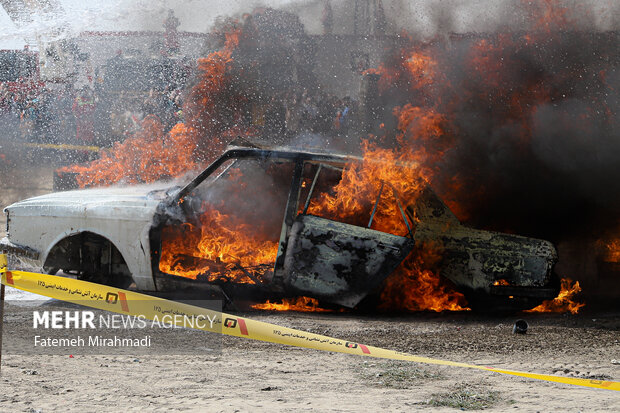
(261, 154)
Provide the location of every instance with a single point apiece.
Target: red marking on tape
(364, 349)
(242, 326)
(9, 278)
(123, 299)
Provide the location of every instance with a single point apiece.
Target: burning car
(251, 227)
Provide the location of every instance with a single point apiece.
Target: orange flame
(609, 250)
(302, 304)
(146, 157)
(223, 244)
(414, 285)
(222, 247)
(564, 302)
(548, 15)
(150, 154)
(423, 69)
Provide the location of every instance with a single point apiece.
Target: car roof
(243, 148)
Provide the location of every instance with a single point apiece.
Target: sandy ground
(256, 376)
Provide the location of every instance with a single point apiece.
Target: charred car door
(335, 261)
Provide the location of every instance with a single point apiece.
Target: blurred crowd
(305, 113)
(82, 116)
(167, 105)
(86, 116)
(25, 114)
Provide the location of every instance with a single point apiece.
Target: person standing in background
(83, 110)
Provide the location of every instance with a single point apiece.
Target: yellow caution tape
(131, 303)
(63, 147)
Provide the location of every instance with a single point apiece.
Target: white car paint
(123, 215)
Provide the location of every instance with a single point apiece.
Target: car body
(115, 236)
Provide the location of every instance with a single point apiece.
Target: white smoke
(422, 18)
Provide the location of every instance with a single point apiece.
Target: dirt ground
(256, 376)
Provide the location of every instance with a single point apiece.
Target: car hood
(129, 202)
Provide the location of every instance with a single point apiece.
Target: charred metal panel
(340, 263)
(476, 259)
(430, 208)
